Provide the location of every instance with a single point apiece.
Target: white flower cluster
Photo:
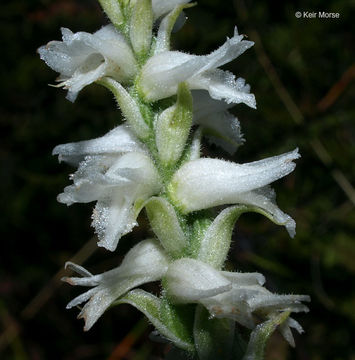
(153, 161)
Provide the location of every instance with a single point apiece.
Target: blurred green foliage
(298, 59)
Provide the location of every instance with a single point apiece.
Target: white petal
(114, 215)
(205, 182)
(264, 198)
(190, 280)
(146, 257)
(118, 140)
(295, 324)
(223, 129)
(281, 302)
(163, 72)
(91, 182)
(145, 262)
(230, 305)
(81, 298)
(113, 218)
(242, 279)
(77, 268)
(222, 85)
(285, 329)
(229, 51)
(204, 105)
(104, 297)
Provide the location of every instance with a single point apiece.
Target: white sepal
(206, 182)
(84, 58)
(144, 263)
(118, 140)
(189, 280)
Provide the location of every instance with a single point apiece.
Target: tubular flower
(163, 72)
(237, 296)
(83, 58)
(144, 263)
(205, 182)
(115, 171)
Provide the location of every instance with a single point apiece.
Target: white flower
(206, 182)
(220, 126)
(118, 140)
(237, 296)
(144, 263)
(163, 72)
(83, 58)
(112, 176)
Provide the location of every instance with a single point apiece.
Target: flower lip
(82, 58)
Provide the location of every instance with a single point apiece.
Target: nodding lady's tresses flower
(144, 263)
(220, 126)
(83, 58)
(204, 183)
(164, 71)
(115, 171)
(237, 296)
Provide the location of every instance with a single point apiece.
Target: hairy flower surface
(82, 58)
(115, 171)
(237, 296)
(220, 126)
(205, 183)
(163, 72)
(144, 263)
(169, 100)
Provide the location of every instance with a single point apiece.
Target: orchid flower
(163, 72)
(83, 58)
(144, 263)
(115, 171)
(237, 296)
(205, 183)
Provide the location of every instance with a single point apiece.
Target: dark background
(302, 74)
